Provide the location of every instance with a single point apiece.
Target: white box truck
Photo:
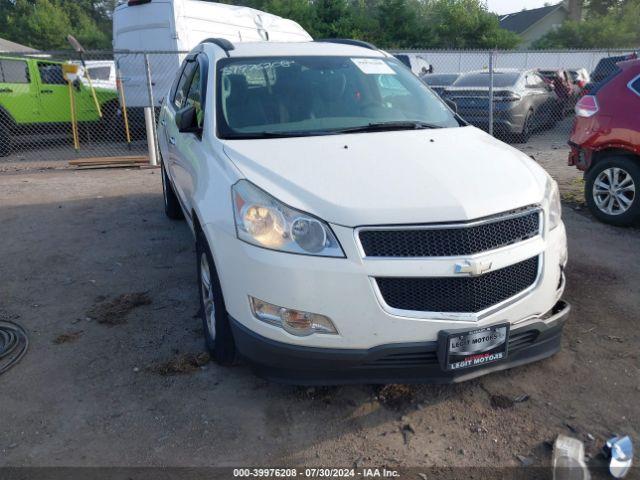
(175, 27)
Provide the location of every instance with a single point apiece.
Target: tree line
(606, 24)
(396, 23)
(391, 24)
(45, 24)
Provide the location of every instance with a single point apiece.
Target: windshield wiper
(388, 126)
(271, 134)
(371, 127)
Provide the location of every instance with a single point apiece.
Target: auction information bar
(314, 473)
(226, 473)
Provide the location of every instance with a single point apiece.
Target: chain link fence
(516, 95)
(58, 110)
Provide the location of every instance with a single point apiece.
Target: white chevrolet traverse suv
(350, 227)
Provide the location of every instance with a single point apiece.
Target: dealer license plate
(474, 348)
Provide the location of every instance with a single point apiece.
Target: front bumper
(343, 289)
(415, 362)
(579, 157)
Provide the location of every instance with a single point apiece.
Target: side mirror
(186, 120)
(451, 104)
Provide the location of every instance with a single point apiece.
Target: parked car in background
(605, 144)
(567, 91)
(523, 101)
(417, 63)
(439, 81)
(580, 77)
(349, 227)
(34, 100)
(604, 68)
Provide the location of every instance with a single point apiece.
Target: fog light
(295, 322)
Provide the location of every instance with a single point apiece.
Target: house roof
(9, 46)
(519, 22)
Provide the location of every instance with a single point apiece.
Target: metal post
(74, 118)
(491, 92)
(150, 118)
(123, 104)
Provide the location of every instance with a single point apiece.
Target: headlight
(266, 222)
(553, 204)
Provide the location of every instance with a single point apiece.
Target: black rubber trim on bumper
(395, 363)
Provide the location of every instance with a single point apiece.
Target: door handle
(46, 91)
(6, 90)
(163, 122)
(172, 140)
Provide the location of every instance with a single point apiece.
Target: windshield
(440, 79)
(484, 79)
(296, 96)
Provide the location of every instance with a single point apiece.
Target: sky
(511, 6)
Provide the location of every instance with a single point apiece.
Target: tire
(171, 204)
(619, 205)
(527, 125)
(5, 141)
(218, 337)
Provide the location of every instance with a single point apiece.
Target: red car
(605, 144)
(566, 89)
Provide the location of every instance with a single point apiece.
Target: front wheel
(527, 127)
(610, 190)
(215, 320)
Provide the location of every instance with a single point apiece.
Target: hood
(400, 177)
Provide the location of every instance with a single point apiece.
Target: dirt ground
(78, 246)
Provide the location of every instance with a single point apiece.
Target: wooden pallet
(105, 162)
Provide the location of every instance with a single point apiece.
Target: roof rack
(223, 43)
(349, 41)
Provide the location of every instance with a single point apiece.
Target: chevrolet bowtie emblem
(473, 267)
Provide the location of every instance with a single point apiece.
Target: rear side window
(51, 73)
(635, 85)
(183, 85)
(14, 71)
(100, 73)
